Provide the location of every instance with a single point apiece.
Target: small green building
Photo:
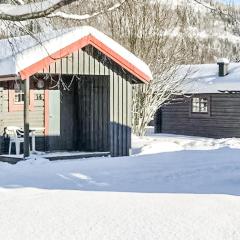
(77, 88)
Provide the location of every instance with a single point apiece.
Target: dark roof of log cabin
(26, 55)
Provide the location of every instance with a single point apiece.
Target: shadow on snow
(188, 171)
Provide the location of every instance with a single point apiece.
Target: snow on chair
(16, 136)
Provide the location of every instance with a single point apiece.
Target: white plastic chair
(16, 136)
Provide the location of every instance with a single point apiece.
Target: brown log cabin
(210, 105)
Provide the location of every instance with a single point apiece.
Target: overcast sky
(231, 1)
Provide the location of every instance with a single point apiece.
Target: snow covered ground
(173, 187)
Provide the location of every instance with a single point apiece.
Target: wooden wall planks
(224, 119)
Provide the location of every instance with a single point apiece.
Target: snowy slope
(211, 36)
(174, 187)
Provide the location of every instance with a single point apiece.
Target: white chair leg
(33, 143)
(17, 144)
(10, 148)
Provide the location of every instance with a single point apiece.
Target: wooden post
(26, 118)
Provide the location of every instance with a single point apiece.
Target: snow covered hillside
(210, 35)
(173, 187)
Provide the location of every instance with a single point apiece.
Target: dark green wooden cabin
(80, 93)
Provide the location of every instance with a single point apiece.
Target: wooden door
(93, 114)
(62, 120)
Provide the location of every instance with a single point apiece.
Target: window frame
(20, 92)
(200, 114)
(18, 106)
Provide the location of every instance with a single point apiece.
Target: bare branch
(204, 4)
(32, 10)
(19, 2)
(85, 16)
(221, 12)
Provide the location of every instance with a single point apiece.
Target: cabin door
(61, 119)
(93, 114)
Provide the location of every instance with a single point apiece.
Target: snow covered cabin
(211, 105)
(80, 90)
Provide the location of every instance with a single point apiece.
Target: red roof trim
(118, 59)
(34, 68)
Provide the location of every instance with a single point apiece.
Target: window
(16, 96)
(200, 105)
(18, 93)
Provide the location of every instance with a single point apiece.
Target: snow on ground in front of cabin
(173, 187)
(158, 143)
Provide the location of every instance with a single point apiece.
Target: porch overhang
(11, 77)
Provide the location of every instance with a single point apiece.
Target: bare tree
(148, 29)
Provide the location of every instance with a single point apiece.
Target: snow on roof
(204, 78)
(223, 60)
(20, 53)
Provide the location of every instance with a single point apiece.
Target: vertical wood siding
(93, 118)
(109, 111)
(90, 62)
(224, 119)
